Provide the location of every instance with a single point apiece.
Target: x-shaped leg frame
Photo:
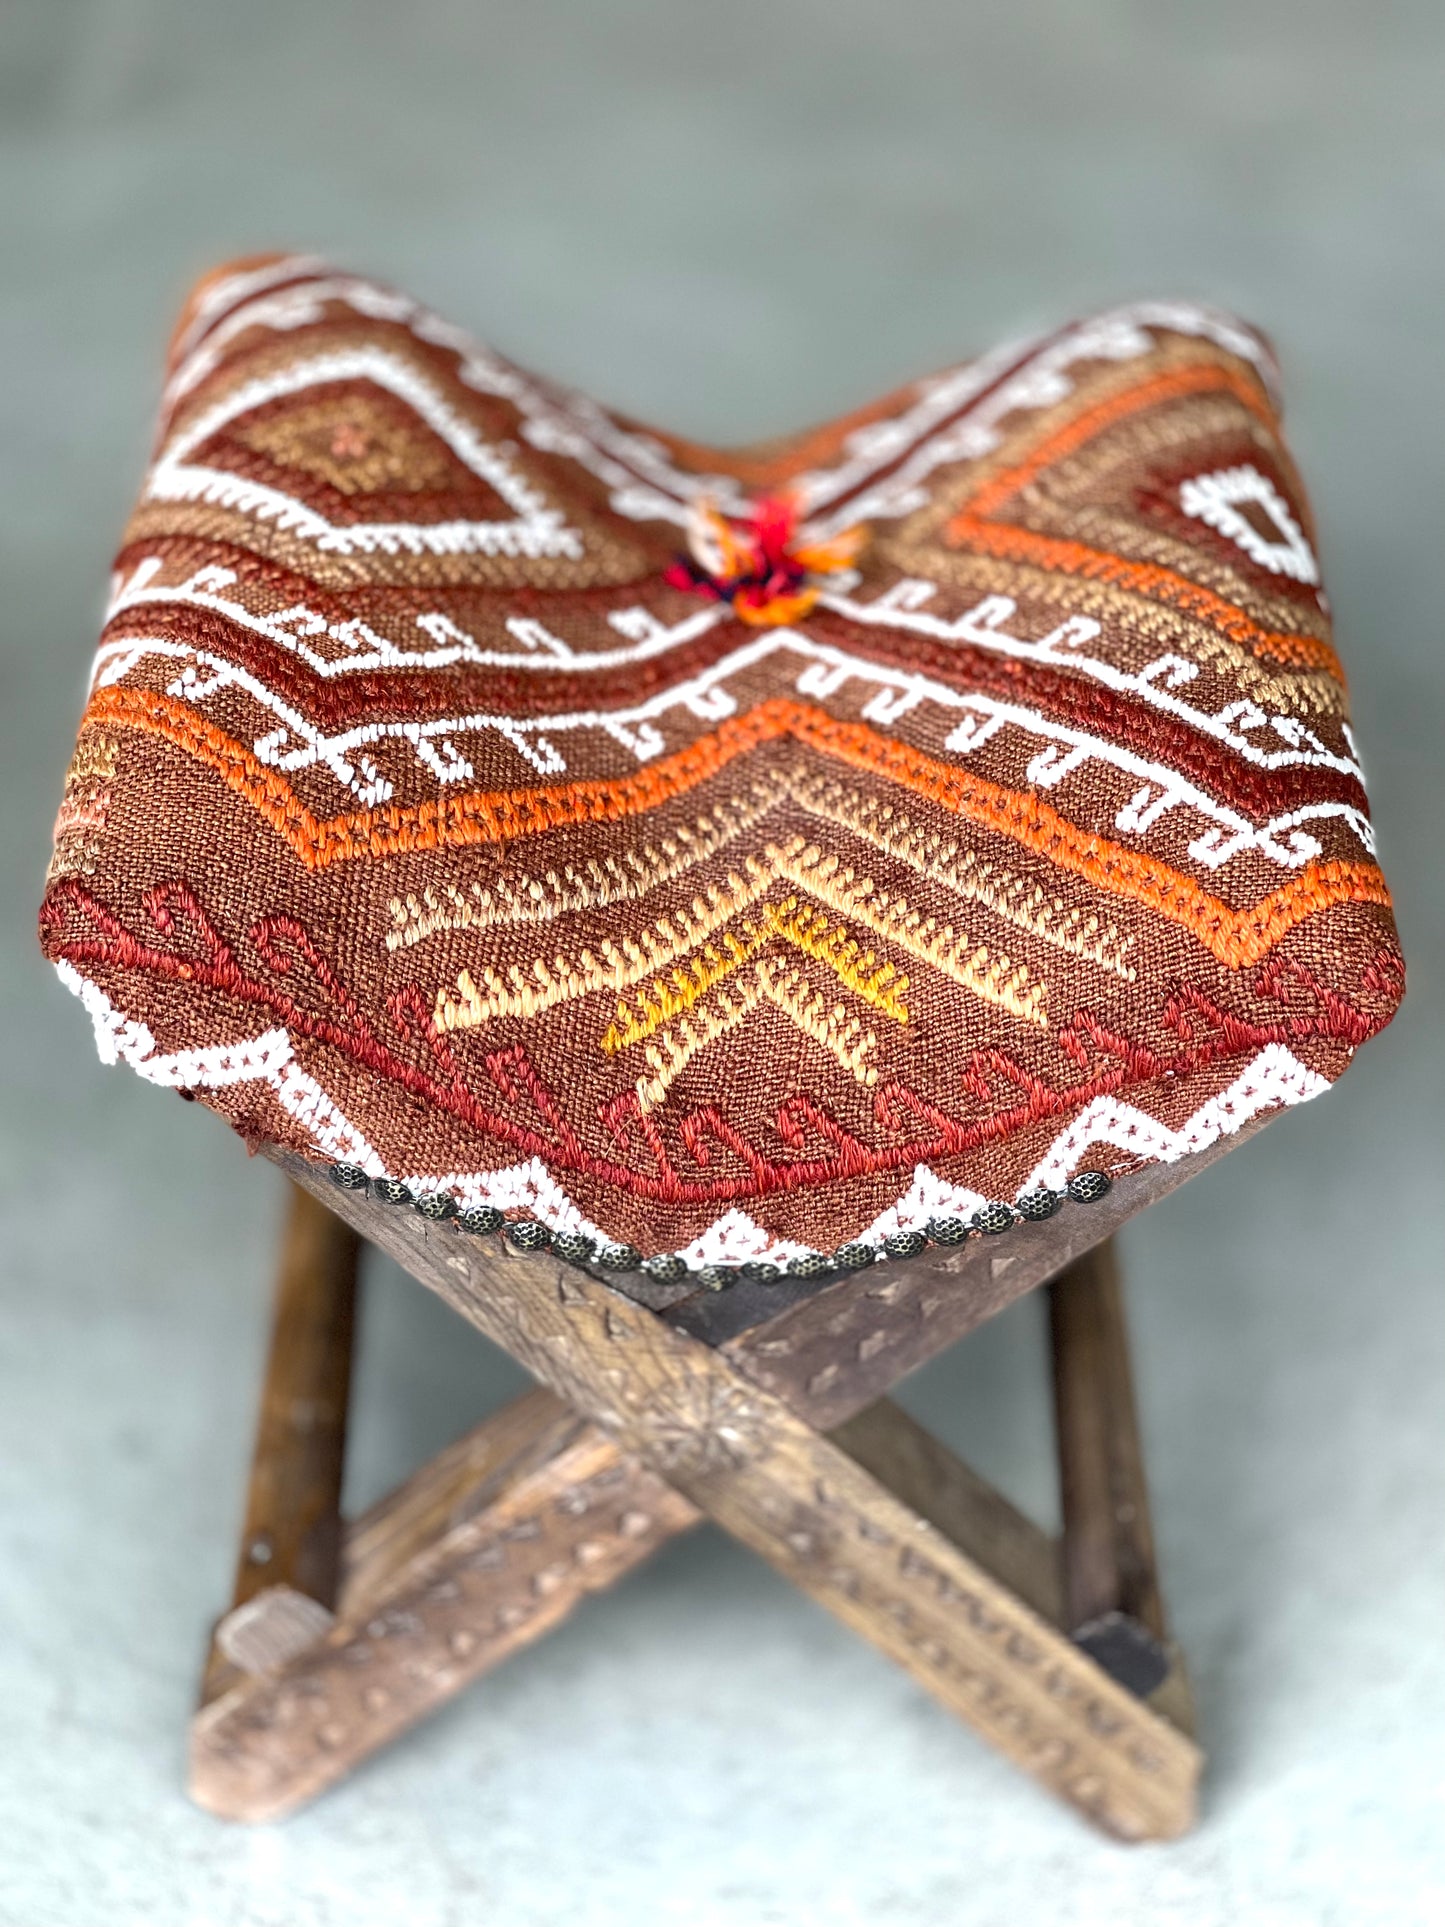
(766, 1417)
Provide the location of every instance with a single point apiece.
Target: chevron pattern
(424, 816)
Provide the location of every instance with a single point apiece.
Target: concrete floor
(735, 219)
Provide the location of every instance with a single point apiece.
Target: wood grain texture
(849, 1342)
(292, 1531)
(291, 1537)
(414, 1615)
(1112, 1602)
(740, 1454)
(1108, 1537)
(925, 1476)
(481, 1552)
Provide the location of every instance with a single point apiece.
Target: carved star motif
(699, 1425)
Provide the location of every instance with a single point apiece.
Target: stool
(729, 923)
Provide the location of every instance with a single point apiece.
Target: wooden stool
(721, 918)
(762, 1409)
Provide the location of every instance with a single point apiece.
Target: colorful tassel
(768, 566)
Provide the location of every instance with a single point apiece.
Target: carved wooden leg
(479, 1553)
(497, 1540)
(491, 1545)
(1112, 1601)
(696, 1418)
(287, 1572)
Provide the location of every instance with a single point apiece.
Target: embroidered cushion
(740, 855)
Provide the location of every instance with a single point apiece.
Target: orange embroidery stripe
(1147, 579)
(1073, 435)
(971, 528)
(475, 817)
(1236, 937)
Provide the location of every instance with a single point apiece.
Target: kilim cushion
(740, 855)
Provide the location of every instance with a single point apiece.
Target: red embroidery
(921, 1129)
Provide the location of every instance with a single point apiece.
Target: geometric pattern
(418, 821)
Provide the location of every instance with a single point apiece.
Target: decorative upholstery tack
(525, 1235)
(972, 814)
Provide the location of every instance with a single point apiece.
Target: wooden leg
(289, 1564)
(496, 1541)
(1112, 1601)
(481, 1552)
(490, 1546)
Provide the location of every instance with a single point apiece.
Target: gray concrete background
(735, 219)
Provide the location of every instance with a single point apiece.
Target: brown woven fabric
(428, 817)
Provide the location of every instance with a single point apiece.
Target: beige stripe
(513, 900)
(939, 859)
(842, 1036)
(1132, 620)
(953, 952)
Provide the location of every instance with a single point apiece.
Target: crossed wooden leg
(767, 1421)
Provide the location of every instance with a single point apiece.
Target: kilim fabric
(430, 815)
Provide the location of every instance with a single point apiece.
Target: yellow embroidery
(878, 984)
(996, 979)
(689, 951)
(672, 996)
(842, 1036)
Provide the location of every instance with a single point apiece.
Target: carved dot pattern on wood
(696, 1426)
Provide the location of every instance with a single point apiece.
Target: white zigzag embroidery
(268, 1059)
(1274, 1077)
(300, 745)
(954, 417)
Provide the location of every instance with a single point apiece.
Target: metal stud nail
(434, 1206)
(905, 1244)
(854, 1257)
(666, 1268)
(619, 1257)
(810, 1264)
(759, 1272)
(350, 1177)
(1035, 1206)
(573, 1249)
(481, 1220)
(995, 1218)
(947, 1231)
(527, 1235)
(391, 1190)
(1087, 1187)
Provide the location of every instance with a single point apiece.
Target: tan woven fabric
(428, 816)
